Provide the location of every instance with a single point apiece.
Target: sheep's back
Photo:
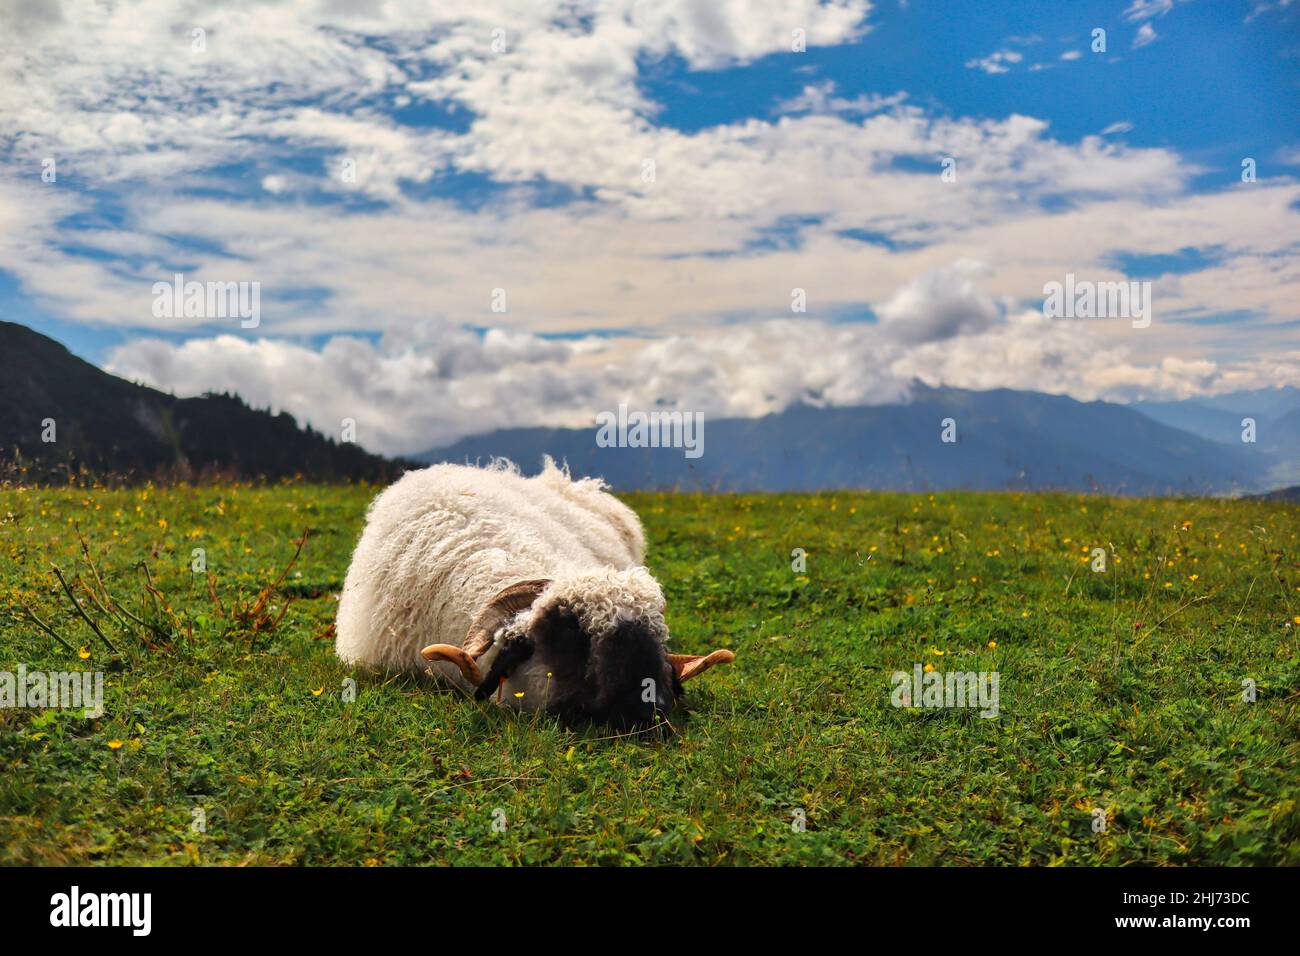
(605, 527)
(440, 542)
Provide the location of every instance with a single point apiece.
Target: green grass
(1119, 690)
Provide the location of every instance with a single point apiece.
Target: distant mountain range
(1004, 440)
(1281, 494)
(112, 427)
(1275, 413)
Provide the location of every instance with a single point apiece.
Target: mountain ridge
(105, 425)
(1006, 439)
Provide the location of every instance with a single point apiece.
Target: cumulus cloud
(996, 62)
(406, 393)
(430, 384)
(559, 103)
(680, 251)
(821, 98)
(939, 305)
(1146, 35)
(220, 82)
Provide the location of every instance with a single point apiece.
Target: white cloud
(1146, 35)
(427, 390)
(1261, 7)
(995, 62)
(1147, 9)
(821, 98)
(88, 83)
(630, 257)
(939, 305)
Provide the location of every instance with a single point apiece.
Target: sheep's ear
(449, 652)
(686, 666)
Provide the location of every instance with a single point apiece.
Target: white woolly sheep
(530, 591)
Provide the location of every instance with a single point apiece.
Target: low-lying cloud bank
(429, 384)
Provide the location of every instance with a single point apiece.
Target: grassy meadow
(1120, 691)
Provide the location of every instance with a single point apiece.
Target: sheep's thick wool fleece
(441, 542)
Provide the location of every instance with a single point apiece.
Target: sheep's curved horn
(457, 656)
(505, 605)
(686, 666)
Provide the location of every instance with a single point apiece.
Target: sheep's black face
(623, 680)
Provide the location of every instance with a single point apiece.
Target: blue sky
(1213, 86)
(501, 258)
